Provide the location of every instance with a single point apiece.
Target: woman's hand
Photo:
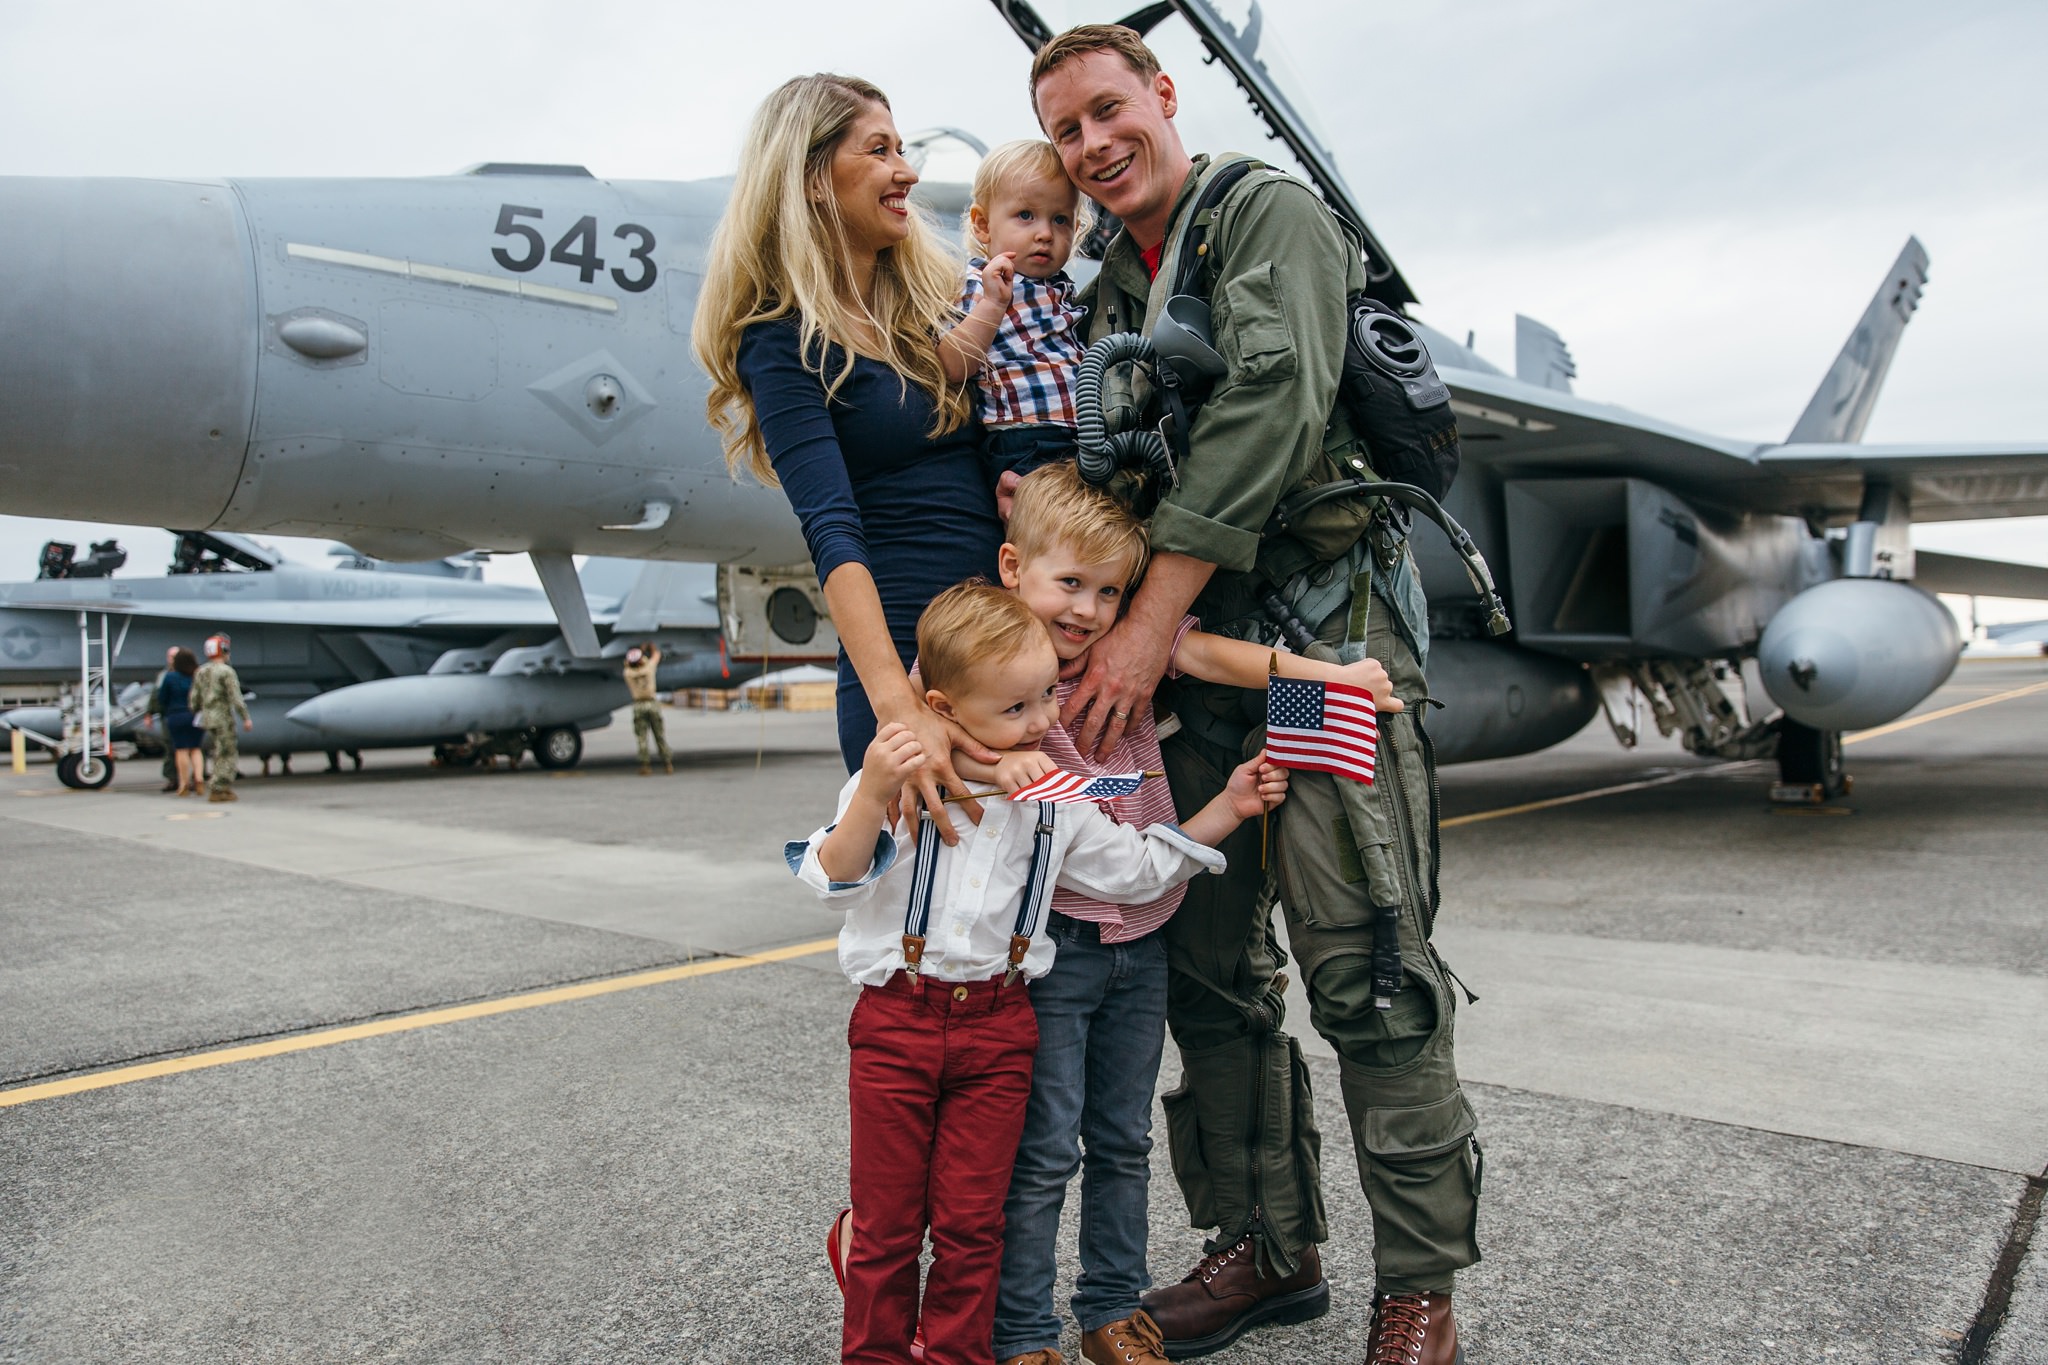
(924, 789)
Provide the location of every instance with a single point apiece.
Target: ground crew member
(154, 714)
(1242, 1129)
(641, 662)
(217, 695)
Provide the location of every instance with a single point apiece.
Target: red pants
(937, 1092)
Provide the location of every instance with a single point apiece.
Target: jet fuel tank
(1857, 652)
(432, 707)
(1499, 701)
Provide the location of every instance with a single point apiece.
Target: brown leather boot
(1134, 1341)
(1225, 1296)
(1414, 1329)
(1037, 1358)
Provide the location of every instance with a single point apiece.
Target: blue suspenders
(1037, 895)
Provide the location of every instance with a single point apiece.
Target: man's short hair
(1056, 507)
(970, 623)
(1076, 42)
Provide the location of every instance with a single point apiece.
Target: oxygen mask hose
(1408, 494)
(1100, 453)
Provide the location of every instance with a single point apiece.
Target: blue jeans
(1101, 1029)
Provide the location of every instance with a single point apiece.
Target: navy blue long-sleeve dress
(871, 488)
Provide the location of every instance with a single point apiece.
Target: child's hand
(1019, 770)
(892, 757)
(1255, 787)
(1371, 675)
(999, 280)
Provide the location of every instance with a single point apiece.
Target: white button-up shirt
(979, 885)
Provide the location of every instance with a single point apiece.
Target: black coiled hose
(1101, 454)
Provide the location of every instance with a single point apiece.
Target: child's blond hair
(1020, 162)
(1056, 507)
(968, 624)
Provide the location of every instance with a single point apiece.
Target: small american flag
(1321, 727)
(1062, 786)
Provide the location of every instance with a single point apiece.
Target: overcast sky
(1700, 197)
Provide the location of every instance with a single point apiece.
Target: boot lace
(1400, 1328)
(1137, 1337)
(1212, 1264)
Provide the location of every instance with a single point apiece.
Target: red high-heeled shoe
(838, 1247)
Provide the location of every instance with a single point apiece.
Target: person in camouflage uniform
(1277, 271)
(217, 695)
(641, 664)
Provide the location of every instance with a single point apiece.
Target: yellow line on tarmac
(1858, 738)
(1550, 801)
(404, 1023)
(1943, 714)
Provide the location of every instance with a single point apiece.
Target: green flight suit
(217, 695)
(1241, 1127)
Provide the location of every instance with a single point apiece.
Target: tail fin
(1541, 357)
(1842, 405)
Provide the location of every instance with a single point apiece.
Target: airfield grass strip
(404, 1023)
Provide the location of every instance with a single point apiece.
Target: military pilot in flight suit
(217, 696)
(1241, 1127)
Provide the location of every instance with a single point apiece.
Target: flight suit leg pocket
(1419, 1163)
(1184, 1145)
(1337, 859)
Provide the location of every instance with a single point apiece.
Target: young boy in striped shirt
(1019, 333)
(1071, 557)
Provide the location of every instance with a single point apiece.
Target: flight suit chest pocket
(1257, 340)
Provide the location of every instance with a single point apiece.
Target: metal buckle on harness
(1019, 946)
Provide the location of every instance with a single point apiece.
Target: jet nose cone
(128, 343)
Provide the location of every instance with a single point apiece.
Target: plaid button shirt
(1029, 374)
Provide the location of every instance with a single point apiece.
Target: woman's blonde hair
(1021, 162)
(780, 250)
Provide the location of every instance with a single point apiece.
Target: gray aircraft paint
(509, 393)
(320, 652)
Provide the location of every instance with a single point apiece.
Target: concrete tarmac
(1754, 1086)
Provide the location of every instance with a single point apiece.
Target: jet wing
(1947, 482)
(1520, 429)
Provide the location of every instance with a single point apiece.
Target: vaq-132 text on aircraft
(500, 359)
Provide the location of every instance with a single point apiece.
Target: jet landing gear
(1809, 765)
(558, 746)
(86, 772)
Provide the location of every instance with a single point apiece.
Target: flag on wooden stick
(1321, 727)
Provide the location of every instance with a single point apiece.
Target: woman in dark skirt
(824, 301)
(174, 701)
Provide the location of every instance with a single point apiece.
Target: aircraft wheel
(76, 771)
(1810, 760)
(558, 746)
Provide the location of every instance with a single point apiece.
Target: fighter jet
(499, 359)
(369, 655)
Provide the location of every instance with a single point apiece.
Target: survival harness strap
(1188, 262)
(1037, 895)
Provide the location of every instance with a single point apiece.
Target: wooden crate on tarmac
(801, 696)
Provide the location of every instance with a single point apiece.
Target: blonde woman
(820, 326)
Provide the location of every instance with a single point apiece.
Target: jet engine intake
(1857, 652)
